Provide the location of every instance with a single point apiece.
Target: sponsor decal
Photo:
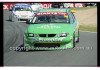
(5, 7)
(50, 39)
(34, 40)
(68, 5)
(46, 5)
(73, 5)
(47, 40)
(51, 13)
(51, 26)
(79, 5)
(66, 15)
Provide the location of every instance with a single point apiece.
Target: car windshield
(50, 19)
(22, 9)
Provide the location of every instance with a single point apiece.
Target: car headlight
(31, 35)
(63, 34)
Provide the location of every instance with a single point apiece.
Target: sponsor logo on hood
(51, 39)
(51, 26)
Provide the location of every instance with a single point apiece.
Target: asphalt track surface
(84, 54)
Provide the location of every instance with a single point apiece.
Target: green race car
(52, 29)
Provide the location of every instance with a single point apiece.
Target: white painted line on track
(87, 31)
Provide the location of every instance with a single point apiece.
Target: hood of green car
(50, 28)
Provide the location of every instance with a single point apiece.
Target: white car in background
(36, 6)
(21, 12)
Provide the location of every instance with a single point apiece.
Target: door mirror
(73, 11)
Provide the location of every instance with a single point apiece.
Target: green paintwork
(52, 28)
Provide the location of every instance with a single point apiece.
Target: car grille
(46, 45)
(23, 19)
(49, 35)
(42, 35)
(23, 15)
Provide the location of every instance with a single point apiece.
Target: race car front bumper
(46, 44)
(21, 18)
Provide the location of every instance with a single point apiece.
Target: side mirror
(28, 22)
(73, 11)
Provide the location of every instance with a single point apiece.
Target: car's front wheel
(73, 40)
(78, 37)
(24, 46)
(10, 18)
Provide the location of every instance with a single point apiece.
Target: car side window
(72, 17)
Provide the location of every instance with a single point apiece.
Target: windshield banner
(51, 13)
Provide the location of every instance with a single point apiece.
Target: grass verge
(87, 28)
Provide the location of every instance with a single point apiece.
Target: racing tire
(78, 37)
(22, 46)
(74, 41)
(10, 18)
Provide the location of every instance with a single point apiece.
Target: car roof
(54, 10)
(21, 4)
